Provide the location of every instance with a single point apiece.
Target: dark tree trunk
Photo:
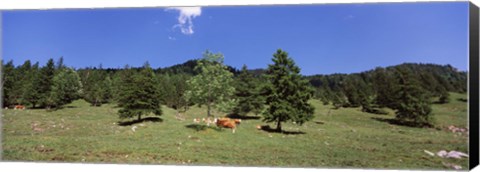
(208, 110)
(279, 126)
(139, 117)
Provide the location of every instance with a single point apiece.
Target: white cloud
(172, 38)
(186, 17)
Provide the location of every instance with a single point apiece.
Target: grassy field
(335, 138)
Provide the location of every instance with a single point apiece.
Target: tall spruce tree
(287, 92)
(213, 86)
(412, 103)
(45, 82)
(31, 94)
(247, 93)
(139, 94)
(23, 81)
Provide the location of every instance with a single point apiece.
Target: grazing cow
(20, 107)
(228, 123)
(208, 121)
(196, 120)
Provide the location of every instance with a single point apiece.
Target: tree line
(279, 93)
(409, 88)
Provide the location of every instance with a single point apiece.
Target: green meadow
(343, 138)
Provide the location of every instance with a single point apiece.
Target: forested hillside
(343, 89)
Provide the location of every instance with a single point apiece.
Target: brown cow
(20, 107)
(228, 123)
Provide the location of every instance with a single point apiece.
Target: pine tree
(213, 86)
(249, 99)
(98, 87)
(23, 81)
(139, 94)
(66, 87)
(287, 92)
(444, 96)
(412, 103)
(352, 90)
(338, 100)
(385, 87)
(31, 94)
(167, 90)
(180, 87)
(8, 83)
(45, 82)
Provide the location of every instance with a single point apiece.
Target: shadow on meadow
(202, 127)
(236, 116)
(147, 119)
(267, 128)
(402, 123)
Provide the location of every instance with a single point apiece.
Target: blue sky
(322, 39)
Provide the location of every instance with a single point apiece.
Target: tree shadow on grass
(273, 130)
(202, 127)
(236, 116)
(147, 119)
(462, 99)
(394, 121)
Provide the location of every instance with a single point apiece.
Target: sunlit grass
(334, 138)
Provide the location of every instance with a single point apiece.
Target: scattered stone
(442, 153)
(451, 154)
(429, 153)
(450, 165)
(133, 128)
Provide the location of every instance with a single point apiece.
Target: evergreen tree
(31, 94)
(444, 96)
(8, 83)
(66, 87)
(180, 87)
(98, 87)
(338, 100)
(352, 90)
(23, 81)
(385, 86)
(167, 90)
(247, 94)
(45, 82)
(139, 94)
(213, 86)
(287, 92)
(412, 103)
